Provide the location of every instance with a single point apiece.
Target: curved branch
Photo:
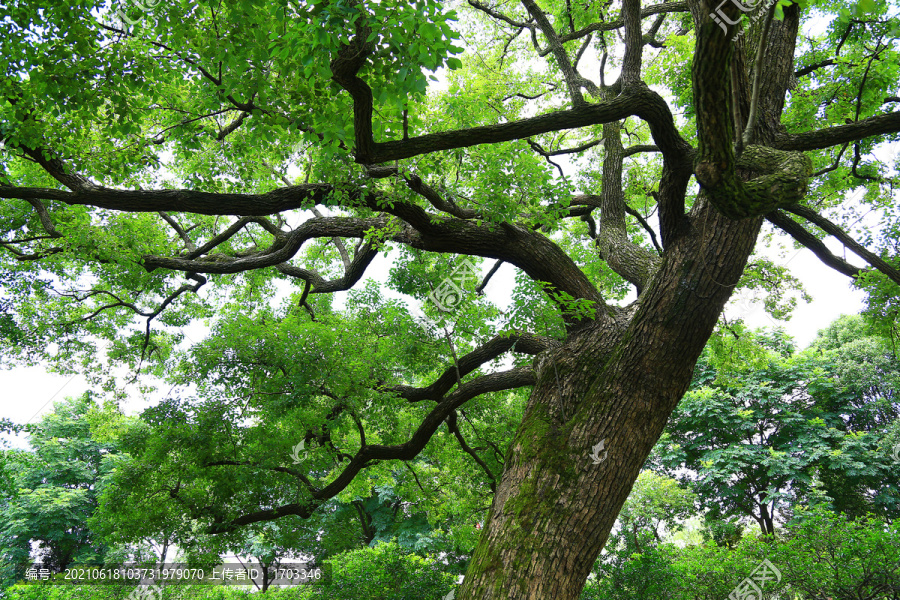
(495, 382)
(539, 257)
(258, 465)
(840, 134)
(804, 237)
(44, 216)
(415, 183)
(499, 16)
(525, 343)
(353, 272)
(223, 237)
(844, 238)
(646, 227)
(280, 252)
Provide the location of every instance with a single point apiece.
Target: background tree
(53, 491)
(788, 429)
(172, 170)
(856, 391)
(636, 563)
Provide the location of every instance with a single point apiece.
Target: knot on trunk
(782, 180)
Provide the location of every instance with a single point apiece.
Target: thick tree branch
(784, 178)
(353, 272)
(634, 46)
(525, 343)
(495, 382)
(641, 102)
(536, 255)
(631, 261)
(281, 251)
(632, 150)
(844, 238)
(345, 68)
(204, 203)
(804, 237)
(840, 134)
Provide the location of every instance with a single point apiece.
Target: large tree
(152, 153)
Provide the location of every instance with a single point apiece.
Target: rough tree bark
(618, 380)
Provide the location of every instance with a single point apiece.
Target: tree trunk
(556, 505)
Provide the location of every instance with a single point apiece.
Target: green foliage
(266, 381)
(52, 491)
(383, 572)
(635, 561)
(825, 555)
(122, 592)
(656, 507)
(785, 429)
(821, 555)
(143, 99)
